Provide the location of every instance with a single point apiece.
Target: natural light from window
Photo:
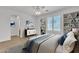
(53, 23)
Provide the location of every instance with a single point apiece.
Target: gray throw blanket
(35, 43)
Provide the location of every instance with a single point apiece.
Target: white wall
(61, 13)
(5, 30)
(4, 25)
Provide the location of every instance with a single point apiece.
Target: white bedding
(68, 45)
(50, 45)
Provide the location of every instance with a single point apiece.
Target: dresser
(29, 32)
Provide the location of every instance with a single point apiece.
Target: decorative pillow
(62, 39)
(69, 41)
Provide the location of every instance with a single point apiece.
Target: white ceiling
(29, 9)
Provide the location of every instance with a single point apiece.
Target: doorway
(15, 25)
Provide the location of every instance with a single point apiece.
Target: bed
(34, 44)
(47, 43)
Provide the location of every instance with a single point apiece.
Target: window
(56, 23)
(53, 23)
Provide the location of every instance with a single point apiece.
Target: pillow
(70, 33)
(62, 39)
(61, 49)
(69, 42)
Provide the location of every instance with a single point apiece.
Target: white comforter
(50, 45)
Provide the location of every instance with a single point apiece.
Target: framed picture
(12, 23)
